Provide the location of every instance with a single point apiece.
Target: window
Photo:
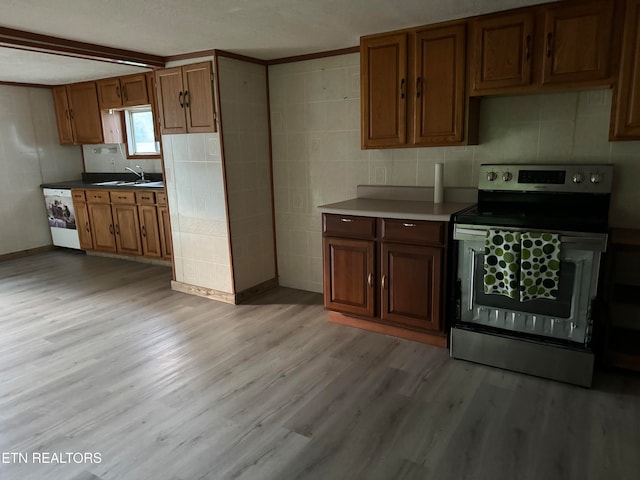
(140, 134)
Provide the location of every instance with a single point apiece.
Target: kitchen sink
(122, 183)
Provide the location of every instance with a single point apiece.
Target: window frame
(127, 124)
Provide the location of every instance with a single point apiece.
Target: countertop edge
(396, 209)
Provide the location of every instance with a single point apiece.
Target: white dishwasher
(62, 217)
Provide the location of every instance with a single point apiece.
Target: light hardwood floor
(98, 355)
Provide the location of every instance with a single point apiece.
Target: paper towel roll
(438, 192)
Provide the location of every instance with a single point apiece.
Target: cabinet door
(85, 113)
(102, 230)
(112, 126)
(149, 230)
(198, 97)
(626, 107)
(577, 42)
(63, 116)
(84, 227)
(349, 276)
(153, 100)
(165, 231)
(170, 100)
(502, 51)
(109, 93)
(411, 285)
(134, 90)
(383, 84)
(127, 228)
(440, 86)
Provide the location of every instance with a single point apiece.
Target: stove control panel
(575, 178)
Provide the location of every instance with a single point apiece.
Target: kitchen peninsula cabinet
(119, 92)
(78, 114)
(413, 88)
(82, 219)
(625, 123)
(566, 45)
(185, 99)
(164, 225)
(123, 221)
(386, 275)
(149, 224)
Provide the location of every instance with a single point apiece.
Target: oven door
(566, 319)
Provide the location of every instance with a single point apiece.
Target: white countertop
(401, 209)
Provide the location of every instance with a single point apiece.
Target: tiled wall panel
(315, 118)
(243, 96)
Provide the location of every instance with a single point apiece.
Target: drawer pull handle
(122, 198)
(370, 280)
(408, 224)
(384, 282)
(347, 220)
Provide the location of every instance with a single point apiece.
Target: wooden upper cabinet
(170, 100)
(63, 115)
(384, 78)
(86, 122)
(577, 42)
(185, 99)
(109, 93)
(413, 88)
(439, 94)
(626, 104)
(119, 92)
(502, 51)
(198, 97)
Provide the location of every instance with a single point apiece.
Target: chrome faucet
(140, 175)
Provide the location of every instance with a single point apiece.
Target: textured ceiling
(264, 29)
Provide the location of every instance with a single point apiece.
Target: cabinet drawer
(123, 197)
(78, 195)
(412, 231)
(97, 196)
(145, 198)
(161, 198)
(349, 226)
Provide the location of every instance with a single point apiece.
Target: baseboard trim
(372, 326)
(131, 258)
(26, 253)
(256, 290)
(204, 292)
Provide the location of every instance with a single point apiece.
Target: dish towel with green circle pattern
(539, 266)
(502, 262)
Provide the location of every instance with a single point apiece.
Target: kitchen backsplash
(315, 120)
(113, 158)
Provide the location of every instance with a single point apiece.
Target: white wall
(315, 119)
(245, 133)
(30, 154)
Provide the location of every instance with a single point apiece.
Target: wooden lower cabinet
(102, 230)
(127, 229)
(164, 228)
(123, 221)
(150, 231)
(411, 285)
(348, 276)
(388, 278)
(83, 225)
